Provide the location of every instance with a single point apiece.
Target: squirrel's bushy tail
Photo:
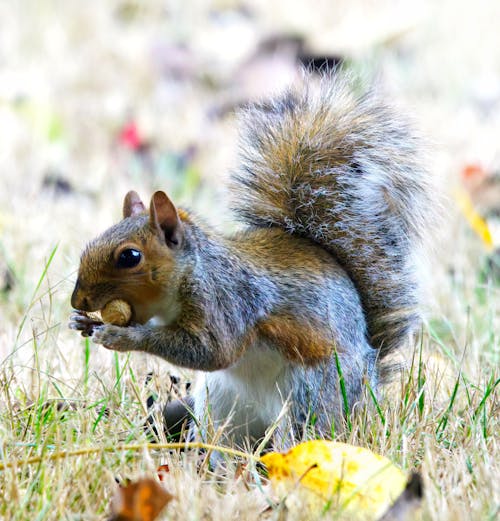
(344, 170)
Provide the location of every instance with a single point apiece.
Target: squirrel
(296, 311)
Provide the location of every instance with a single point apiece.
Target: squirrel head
(134, 260)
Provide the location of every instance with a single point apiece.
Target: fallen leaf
(130, 137)
(142, 500)
(162, 471)
(324, 475)
(473, 171)
(476, 221)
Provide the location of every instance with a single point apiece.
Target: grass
(72, 413)
(66, 439)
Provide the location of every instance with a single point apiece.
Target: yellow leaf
(325, 475)
(476, 222)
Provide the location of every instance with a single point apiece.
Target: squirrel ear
(132, 205)
(164, 217)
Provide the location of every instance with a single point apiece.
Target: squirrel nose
(77, 300)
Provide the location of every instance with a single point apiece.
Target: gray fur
(228, 293)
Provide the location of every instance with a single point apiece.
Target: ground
(99, 98)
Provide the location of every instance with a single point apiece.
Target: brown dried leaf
(162, 471)
(142, 500)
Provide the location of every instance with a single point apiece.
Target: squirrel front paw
(112, 337)
(81, 321)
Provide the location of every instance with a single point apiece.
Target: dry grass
(70, 74)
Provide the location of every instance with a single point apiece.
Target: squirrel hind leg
(176, 416)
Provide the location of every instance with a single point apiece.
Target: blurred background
(97, 98)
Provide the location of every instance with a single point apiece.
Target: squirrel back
(344, 170)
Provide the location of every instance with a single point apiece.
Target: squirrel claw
(80, 321)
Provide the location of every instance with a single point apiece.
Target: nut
(117, 312)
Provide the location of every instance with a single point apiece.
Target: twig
(132, 447)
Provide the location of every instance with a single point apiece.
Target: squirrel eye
(129, 258)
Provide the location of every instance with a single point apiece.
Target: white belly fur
(251, 393)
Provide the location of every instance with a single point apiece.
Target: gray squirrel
(324, 275)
